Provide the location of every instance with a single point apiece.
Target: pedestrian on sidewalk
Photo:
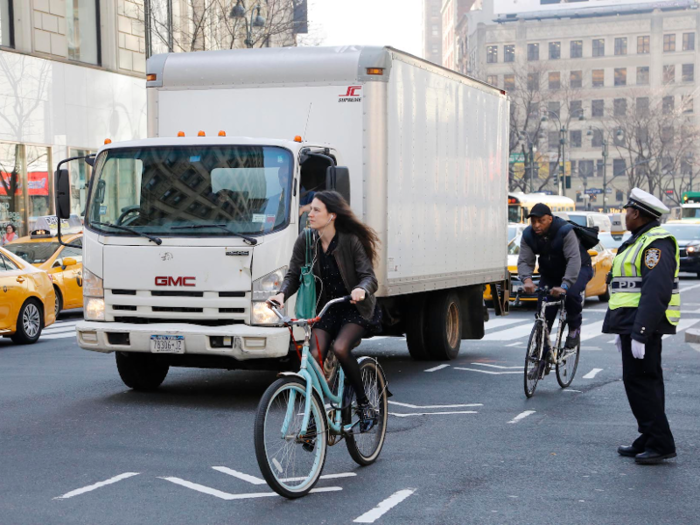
(9, 234)
(644, 305)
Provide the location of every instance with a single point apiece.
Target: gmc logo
(174, 281)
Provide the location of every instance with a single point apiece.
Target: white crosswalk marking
(498, 322)
(591, 330)
(510, 334)
(683, 324)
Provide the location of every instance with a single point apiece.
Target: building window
(554, 80)
(599, 47)
(7, 37)
(621, 46)
(643, 76)
(688, 41)
(80, 173)
(619, 196)
(492, 79)
(491, 54)
(533, 81)
(642, 106)
(12, 187)
(554, 109)
(509, 82)
(82, 21)
(575, 138)
(688, 72)
(598, 108)
(618, 167)
(669, 74)
(597, 138)
(434, 31)
(576, 48)
(576, 79)
(668, 105)
(553, 141)
(533, 52)
(643, 47)
(687, 103)
(598, 77)
(38, 163)
(585, 168)
(620, 107)
(554, 50)
(621, 76)
(575, 109)
(509, 53)
(669, 43)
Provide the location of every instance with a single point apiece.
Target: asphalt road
(464, 444)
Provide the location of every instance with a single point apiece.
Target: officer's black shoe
(650, 457)
(573, 339)
(629, 451)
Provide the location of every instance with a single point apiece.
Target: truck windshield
(155, 190)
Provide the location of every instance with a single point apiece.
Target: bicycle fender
(292, 374)
(381, 370)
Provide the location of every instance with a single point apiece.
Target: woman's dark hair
(347, 222)
(9, 224)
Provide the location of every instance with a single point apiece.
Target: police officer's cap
(646, 203)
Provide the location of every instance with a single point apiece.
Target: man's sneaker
(368, 416)
(573, 339)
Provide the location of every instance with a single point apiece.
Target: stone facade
(432, 31)
(131, 36)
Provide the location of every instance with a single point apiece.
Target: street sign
(593, 191)
(517, 157)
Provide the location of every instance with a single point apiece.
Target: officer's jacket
(657, 287)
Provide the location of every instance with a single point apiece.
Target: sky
(396, 23)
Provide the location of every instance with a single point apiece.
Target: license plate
(168, 344)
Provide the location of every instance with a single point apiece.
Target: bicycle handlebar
(302, 322)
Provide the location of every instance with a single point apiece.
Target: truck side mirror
(338, 179)
(62, 194)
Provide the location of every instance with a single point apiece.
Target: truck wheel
(140, 371)
(444, 325)
(30, 322)
(416, 333)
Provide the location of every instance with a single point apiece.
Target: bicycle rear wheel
(364, 448)
(290, 463)
(566, 367)
(532, 361)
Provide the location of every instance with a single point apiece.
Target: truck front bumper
(239, 341)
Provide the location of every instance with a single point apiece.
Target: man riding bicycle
(564, 266)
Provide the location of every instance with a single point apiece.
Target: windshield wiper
(156, 240)
(248, 240)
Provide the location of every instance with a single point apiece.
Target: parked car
(515, 229)
(26, 299)
(591, 218)
(612, 241)
(688, 237)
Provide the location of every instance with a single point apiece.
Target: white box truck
(188, 232)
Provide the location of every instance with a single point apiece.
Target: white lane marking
(384, 506)
(57, 336)
(612, 341)
(408, 405)
(510, 334)
(516, 344)
(522, 415)
(504, 321)
(592, 330)
(436, 368)
(228, 497)
(89, 488)
(591, 348)
(689, 288)
(592, 373)
(432, 413)
(488, 371)
(327, 476)
(499, 366)
(240, 475)
(683, 324)
(572, 390)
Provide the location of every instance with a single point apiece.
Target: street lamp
(531, 154)
(256, 20)
(619, 134)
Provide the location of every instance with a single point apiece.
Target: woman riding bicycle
(343, 251)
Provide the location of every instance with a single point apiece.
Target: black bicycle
(564, 359)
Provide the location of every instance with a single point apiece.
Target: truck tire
(30, 323)
(416, 333)
(444, 326)
(141, 371)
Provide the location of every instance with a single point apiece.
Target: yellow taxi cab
(601, 259)
(63, 264)
(26, 299)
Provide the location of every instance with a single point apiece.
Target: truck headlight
(94, 309)
(92, 285)
(264, 288)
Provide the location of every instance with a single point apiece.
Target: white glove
(618, 343)
(638, 349)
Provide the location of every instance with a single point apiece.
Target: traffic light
(567, 184)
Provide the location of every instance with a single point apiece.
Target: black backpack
(587, 235)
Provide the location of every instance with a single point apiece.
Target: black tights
(348, 336)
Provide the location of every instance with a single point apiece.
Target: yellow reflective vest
(627, 275)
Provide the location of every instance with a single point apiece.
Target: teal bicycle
(303, 413)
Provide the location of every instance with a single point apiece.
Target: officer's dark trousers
(644, 384)
(574, 300)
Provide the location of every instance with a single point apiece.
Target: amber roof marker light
(201, 134)
(151, 77)
(375, 70)
(222, 133)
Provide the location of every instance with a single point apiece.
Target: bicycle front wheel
(566, 367)
(364, 447)
(290, 462)
(532, 361)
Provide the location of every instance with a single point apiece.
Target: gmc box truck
(190, 231)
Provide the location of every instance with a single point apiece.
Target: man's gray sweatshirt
(527, 259)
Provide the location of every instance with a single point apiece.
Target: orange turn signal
(180, 133)
(375, 71)
(108, 141)
(201, 134)
(222, 133)
(151, 77)
(298, 138)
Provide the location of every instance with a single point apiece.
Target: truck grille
(163, 293)
(182, 309)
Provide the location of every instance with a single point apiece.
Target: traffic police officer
(645, 304)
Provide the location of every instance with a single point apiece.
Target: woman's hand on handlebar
(358, 295)
(278, 299)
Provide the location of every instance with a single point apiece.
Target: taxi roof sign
(47, 226)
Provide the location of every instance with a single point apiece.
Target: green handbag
(306, 296)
